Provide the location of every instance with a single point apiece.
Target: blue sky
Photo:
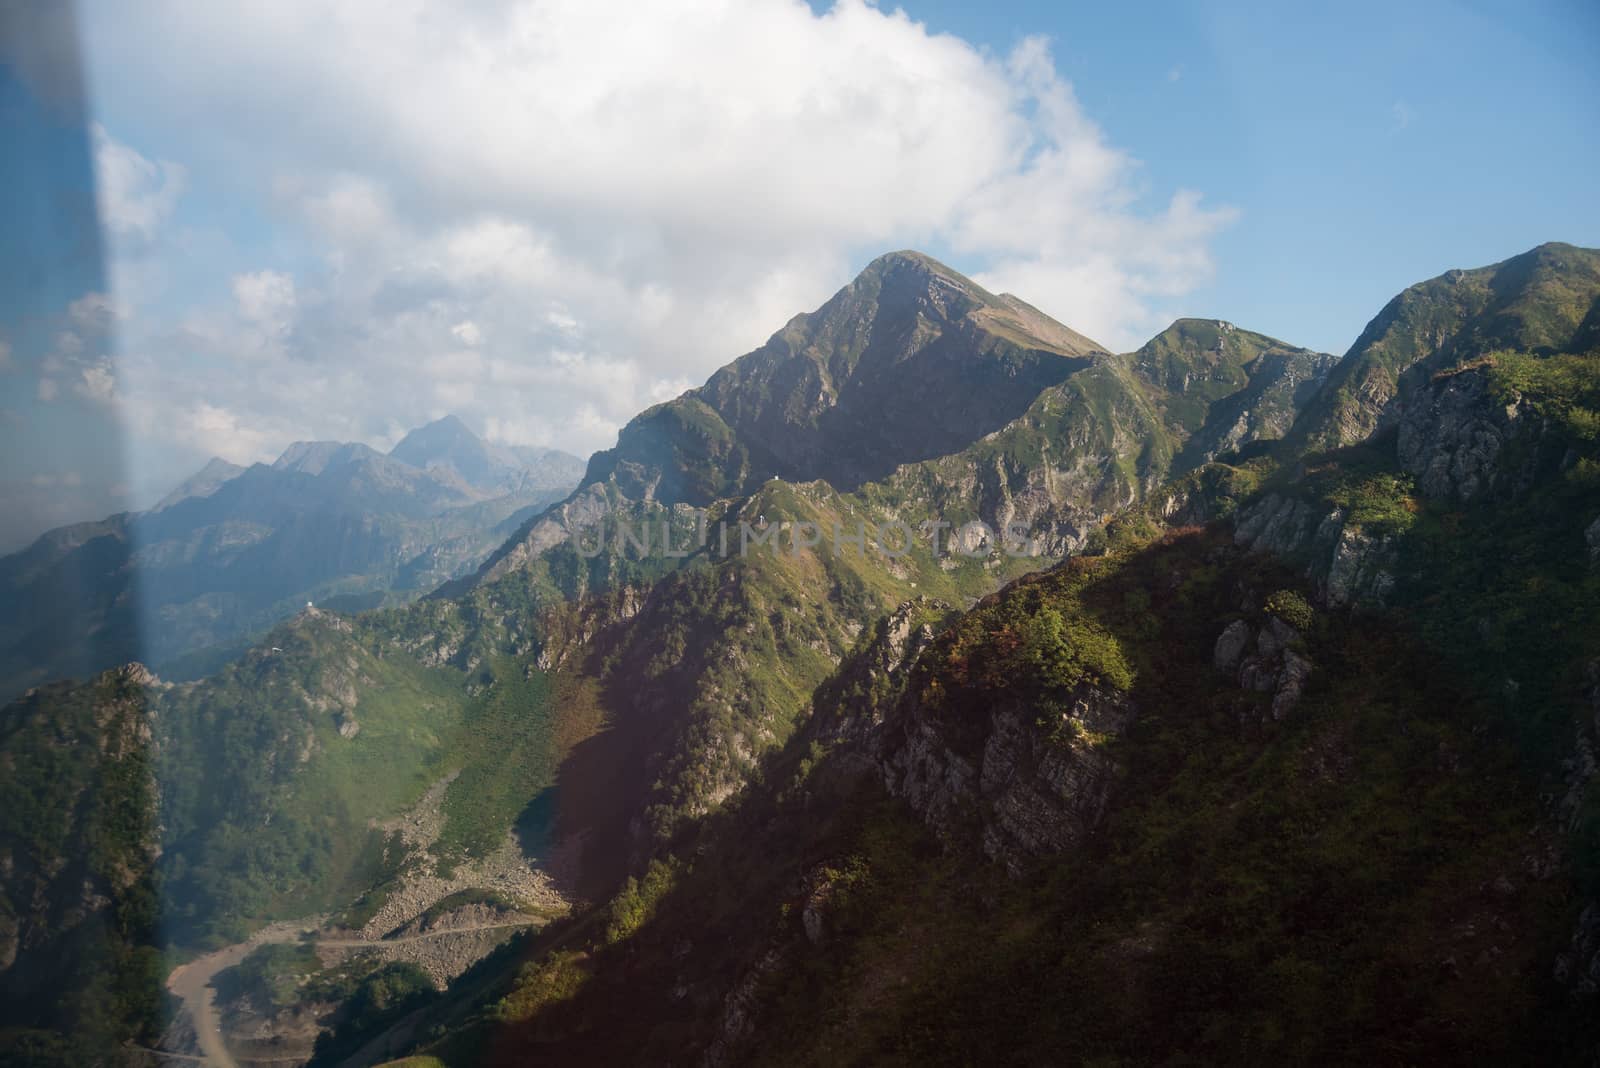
(543, 215)
(1367, 146)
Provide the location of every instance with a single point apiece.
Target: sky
(341, 221)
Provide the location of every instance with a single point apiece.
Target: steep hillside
(826, 800)
(907, 362)
(1226, 387)
(916, 389)
(1315, 783)
(1542, 301)
(79, 841)
(1073, 830)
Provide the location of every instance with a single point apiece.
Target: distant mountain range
(234, 549)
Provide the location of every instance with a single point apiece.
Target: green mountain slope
(1541, 301)
(1315, 783)
(831, 804)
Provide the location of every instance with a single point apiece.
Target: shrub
(1290, 607)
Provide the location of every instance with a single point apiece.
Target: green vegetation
(77, 834)
(1303, 889)
(380, 999)
(1563, 389)
(1290, 607)
(1537, 302)
(267, 806)
(506, 756)
(1251, 898)
(636, 902)
(1037, 646)
(270, 976)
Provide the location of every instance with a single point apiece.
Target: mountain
(448, 445)
(913, 381)
(233, 549)
(1302, 768)
(1227, 387)
(908, 362)
(1266, 747)
(1541, 301)
(202, 483)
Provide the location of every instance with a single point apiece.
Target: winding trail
(191, 983)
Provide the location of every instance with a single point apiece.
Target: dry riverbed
(444, 946)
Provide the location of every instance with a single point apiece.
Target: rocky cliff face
(1268, 660)
(1023, 786)
(1348, 564)
(931, 398)
(1464, 441)
(1224, 387)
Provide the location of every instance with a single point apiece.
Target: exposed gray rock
(1275, 666)
(1291, 684)
(1276, 524)
(1017, 788)
(1348, 565)
(1275, 637)
(1361, 569)
(1451, 436)
(1230, 646)
(740, 1007)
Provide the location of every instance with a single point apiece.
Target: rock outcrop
(1451, 436)
(1267, 660)
(1347, 564)
(1016, 787)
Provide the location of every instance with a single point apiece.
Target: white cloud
(264, 297)
(136, 195)
(97, 383)
(547, 215)
(48, 389)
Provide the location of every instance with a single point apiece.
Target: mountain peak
(911, 274)
(911, 259)
(202, 483)
(443, 433)
(314, 457)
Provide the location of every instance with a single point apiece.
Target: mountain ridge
(1262, 716)
(814, 398)
(234, 548)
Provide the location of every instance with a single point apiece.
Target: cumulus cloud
(136, 195)
(547, 214)
(265, 298)
(97, 383)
